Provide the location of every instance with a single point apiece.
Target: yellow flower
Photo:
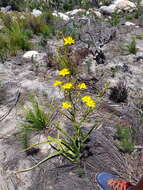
(68, 40)
(91, 104)
(82, 85)
(67, 85)
(57, 83)
(89, 101)
(86, 98)
(64, 72)
(66, 105)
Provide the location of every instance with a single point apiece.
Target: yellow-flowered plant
(67, 85)
(64, 72)
(57, 83)
(71, 145)
(68, 40)
(89, 101)
(82, 86)
(66, 105)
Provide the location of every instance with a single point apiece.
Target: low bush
(36, 119)
(119, 93)
(124, 139)
(131, 47)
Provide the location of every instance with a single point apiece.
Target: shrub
(36, 119)
(4, 47)
(131, 47)
(139, 36)
(115, 19)
(118, 93)
(40, 25)
(125, 141)
(18, 39)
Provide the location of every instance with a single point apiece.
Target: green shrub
(39, 25)
(131, 47)
(18, 38)
(4, 47)
(125, 140)
(139, 36)
(115, 19)
(36, 119)
(119, 93)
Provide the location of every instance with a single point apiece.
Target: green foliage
(63, 60)
(133, 15)
(18, 39)
(105, 2)
(13, 36)
(18, 5)
(131, 47)
(24, 136)
(71, 29)
(68, 5)
(36, 119)
(18, 29)
(139, 36)
(138, 13)
(4, 47)
(85, 4)
(125, 141)
(42, 5)
(72, 147)
(115, 19)
(41, 24)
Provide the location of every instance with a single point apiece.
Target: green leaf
(39, 163)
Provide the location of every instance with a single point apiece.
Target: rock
(121, 5)
(41, 88)
(40, 58)
(6, 9)
(30, 54)
(75, 12)
(124, 5)
(61, 15)
(36, 12)
(94, 12)
(108, 9)
(129, 24)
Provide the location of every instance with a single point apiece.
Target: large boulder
(122, 5)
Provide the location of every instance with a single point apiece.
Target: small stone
(36, 12)
(61, 15)
(30, 54)
(108, 9)
(75, 12)
(94, 12)
(129, 24)
(6, 9)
